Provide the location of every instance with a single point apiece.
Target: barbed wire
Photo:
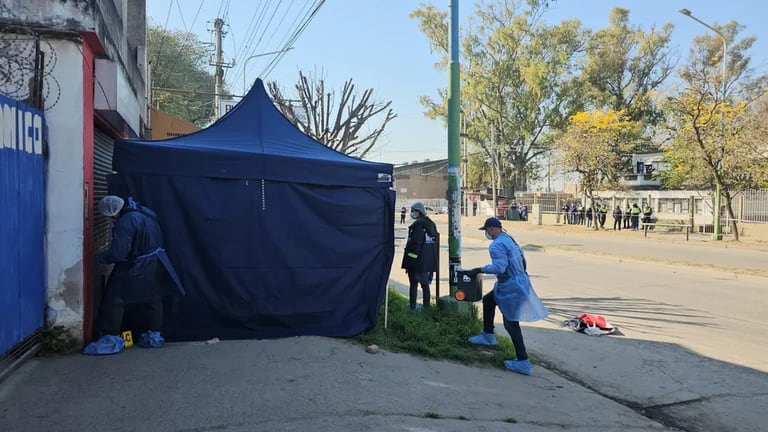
(18, 50)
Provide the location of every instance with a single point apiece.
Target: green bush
(435, 334)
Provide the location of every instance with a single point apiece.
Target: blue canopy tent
(272, 233)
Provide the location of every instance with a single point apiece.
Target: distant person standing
(617, 216)
(635, 217)
(403, 212)
(647, 213)
(420, 256)
(627, 216)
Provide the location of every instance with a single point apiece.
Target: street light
(717, 234)
(245, 64)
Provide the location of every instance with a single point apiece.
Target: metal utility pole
(454, 180)
(717, 232)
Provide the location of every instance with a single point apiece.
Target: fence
(753, 206)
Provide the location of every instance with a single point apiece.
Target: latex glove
(475, 271)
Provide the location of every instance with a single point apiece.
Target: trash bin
(470, 288)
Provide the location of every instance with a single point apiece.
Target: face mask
(488, 235)
(414, 215)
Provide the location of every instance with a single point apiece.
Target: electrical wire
(292, 40)
(165, 30)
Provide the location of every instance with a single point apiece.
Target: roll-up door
(103, 145)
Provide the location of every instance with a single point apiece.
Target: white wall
(64, 202)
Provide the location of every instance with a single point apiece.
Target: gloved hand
(475, 271)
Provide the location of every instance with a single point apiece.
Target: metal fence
(753, 206)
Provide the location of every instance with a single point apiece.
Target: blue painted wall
(22, 222)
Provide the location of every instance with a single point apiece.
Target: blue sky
(375, 43)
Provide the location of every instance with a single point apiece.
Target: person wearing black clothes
(627, 216)
(635, 217)
(601, 212)
(403, 211)
(420, 257)
(647, 213)
(617, 216)
(589, 217)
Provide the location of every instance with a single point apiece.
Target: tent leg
(386, 307)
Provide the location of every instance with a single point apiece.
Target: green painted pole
(454, 177)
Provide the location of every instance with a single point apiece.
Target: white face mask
(488, 235)
(414, 215)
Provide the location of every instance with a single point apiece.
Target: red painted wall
(89, 260)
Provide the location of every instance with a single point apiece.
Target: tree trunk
(731, 216)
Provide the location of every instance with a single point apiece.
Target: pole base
(452, 306)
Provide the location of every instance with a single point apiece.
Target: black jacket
(421, 249)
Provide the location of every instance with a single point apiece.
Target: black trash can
(470, 287)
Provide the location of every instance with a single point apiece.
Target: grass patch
(435, 334)
(432, 415)
(510, 420)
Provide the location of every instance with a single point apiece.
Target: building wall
(423, 180)
(416, 186)
(64, 195)
(75, 32)
(165, 126)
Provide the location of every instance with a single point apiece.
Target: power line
(190, 37)
(293, 39)
(165, 30)
(287, 10)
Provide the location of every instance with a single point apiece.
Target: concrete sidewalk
(295, 384)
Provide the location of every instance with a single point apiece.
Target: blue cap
(491, 222)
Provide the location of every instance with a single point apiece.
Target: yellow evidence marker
(128, 337)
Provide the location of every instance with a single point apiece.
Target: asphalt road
(694, 350)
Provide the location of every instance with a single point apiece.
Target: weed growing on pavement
(56, 340)
(434, 333)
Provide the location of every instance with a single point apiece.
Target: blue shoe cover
(107, 344)
(519, 366)
(417, 309)
(151, 339)
(484, 339)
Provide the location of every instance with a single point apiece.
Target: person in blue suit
(512, 292)
(142, 274)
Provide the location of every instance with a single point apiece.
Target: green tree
(520, 81)
(626, 65)
(179, 61)
(341, 122)
(592, 147)
(714, 130)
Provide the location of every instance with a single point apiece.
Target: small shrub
(56, 340)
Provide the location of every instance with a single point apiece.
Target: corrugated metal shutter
(102, 167)
(103, 145)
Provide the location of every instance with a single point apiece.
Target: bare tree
(343, 124)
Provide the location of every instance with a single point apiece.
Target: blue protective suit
(142, 269)
(513, 290)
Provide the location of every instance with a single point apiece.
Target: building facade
(422, 180)
(94, 91)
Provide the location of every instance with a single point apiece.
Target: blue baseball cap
(491, 222)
